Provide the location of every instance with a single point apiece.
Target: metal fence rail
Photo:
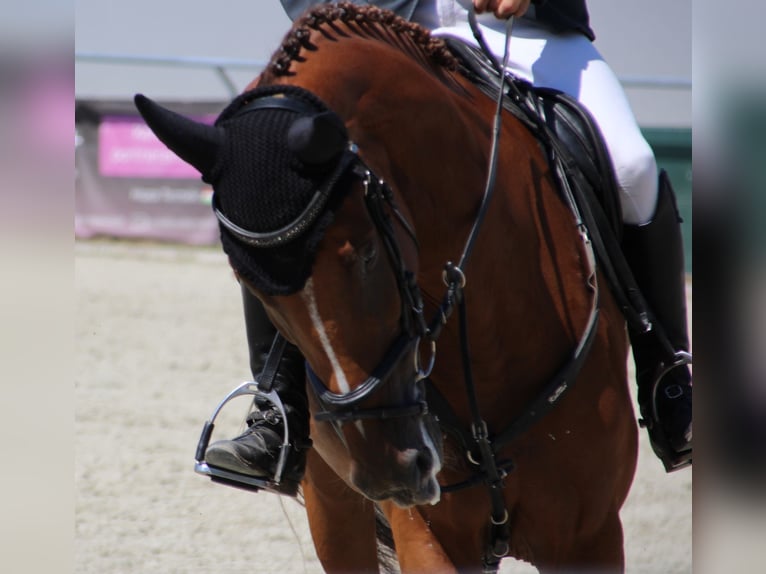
(222, 65)
(672, 146)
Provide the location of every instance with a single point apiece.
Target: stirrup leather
(276, 484)
(671, 459)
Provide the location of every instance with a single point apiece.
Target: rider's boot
(255, 453)
(654, 252)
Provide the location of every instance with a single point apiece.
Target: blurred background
(49, 68)
(650, 41)
(195, 64)
(729, 103)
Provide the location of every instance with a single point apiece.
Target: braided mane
(369, 21)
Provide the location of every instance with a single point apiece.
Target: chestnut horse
(426, 132)
(412, 239)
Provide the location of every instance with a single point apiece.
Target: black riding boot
(256, 451)
(654, 252)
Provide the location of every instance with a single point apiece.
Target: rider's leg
(256, 451)
(653, 247)
(652, 237)
(570, 63)
(654, 251)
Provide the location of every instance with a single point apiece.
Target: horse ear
(317, 139)
(195, 143)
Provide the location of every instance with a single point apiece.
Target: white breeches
(570, 63)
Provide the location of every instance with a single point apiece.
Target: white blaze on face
(308, 297)
(340, 377)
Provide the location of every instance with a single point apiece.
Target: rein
(492, 473)
(340, 408)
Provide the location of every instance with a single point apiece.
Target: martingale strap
(492, 473)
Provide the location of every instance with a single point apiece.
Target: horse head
(319, 239)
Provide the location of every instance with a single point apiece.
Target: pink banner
(128, 148)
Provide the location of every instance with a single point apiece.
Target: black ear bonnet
(278, 161)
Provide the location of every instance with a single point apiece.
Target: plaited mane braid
(370, 21)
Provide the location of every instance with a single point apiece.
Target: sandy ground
(159, 341)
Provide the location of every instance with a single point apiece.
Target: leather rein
(481, 447)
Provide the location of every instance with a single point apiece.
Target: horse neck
(419, 125)
(428, 134)
(525, 273)
(409, 118)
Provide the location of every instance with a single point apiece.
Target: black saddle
(551, 114)
(580, 160)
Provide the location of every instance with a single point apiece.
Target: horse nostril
(424, 462)
(415, 461)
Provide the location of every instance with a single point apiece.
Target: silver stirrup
(671, 459)
(234, 478)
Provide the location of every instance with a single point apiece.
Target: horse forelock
(361, 21)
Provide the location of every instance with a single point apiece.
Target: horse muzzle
(393, 442)
(404, 474)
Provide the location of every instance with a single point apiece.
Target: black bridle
(344, 407)
(380, 203)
